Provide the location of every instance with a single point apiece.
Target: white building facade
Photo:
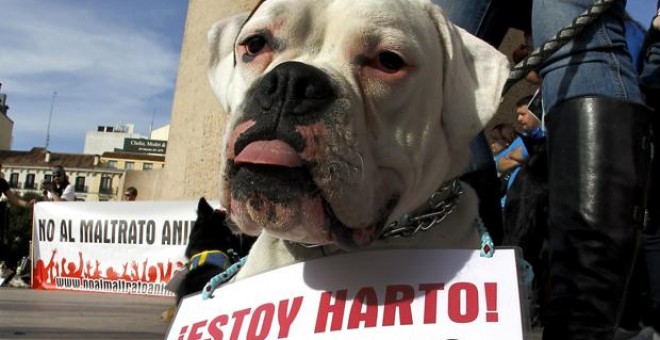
(108, 138)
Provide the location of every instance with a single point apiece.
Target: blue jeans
(650, 65)
(468, 14)
(596, 62)
(650, 74)
(600, 51)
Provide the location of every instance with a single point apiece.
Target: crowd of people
(57, 189)
(578, 180)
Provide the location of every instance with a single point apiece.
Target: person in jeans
(649, 68)
(598, 134)
(597, 130)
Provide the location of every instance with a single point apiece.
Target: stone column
(192, 166)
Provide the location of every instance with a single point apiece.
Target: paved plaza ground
(39, 314)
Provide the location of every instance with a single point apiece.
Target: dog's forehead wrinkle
(402, 15)
(298, 20)
(368, 36)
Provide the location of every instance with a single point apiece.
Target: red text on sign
(259, 322)
(365, 312)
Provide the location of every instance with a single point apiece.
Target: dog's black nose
(294, 88)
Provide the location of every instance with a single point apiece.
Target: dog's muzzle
(278, 145)
(291, 96)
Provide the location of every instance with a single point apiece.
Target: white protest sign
(394, 294)
(120, 247)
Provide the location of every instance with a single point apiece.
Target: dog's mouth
(271, 153)
(273, 187)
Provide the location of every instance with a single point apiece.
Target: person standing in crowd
(649, 67)
(528, 109)
(481, 18)
(13, 198)
(516, 152)
(509, 159)
(500, 137)
(597, 129)
(130, 194)
(59, 189)
(525, 209)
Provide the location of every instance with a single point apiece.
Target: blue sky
(642, 10)
(110, 62)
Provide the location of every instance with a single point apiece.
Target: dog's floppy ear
(474, 75)
(222, 36)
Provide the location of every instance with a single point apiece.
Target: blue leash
(486, 248)
(221, 278)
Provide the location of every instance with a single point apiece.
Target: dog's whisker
(339, 170)
(361, 168)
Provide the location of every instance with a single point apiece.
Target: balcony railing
(105, 190)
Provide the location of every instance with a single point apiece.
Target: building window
(80, 184)
(106, 185)
(130, 165)
(13, 180)
(147, 166)
(29, 181)
(112, 164)
(48, 178)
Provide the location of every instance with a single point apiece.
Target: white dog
(346, 120)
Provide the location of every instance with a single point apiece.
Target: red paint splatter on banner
(45, 273)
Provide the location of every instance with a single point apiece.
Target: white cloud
(104, 71)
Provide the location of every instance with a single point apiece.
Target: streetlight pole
(50, 117)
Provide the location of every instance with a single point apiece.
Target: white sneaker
(17, 282)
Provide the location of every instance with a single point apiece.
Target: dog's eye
(255, 44)
(390, 61)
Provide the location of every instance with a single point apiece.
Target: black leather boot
(599, 162)
(651, 238)
(650, 87)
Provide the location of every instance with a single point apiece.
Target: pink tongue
(271, 152)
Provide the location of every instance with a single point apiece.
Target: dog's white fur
(400, 134)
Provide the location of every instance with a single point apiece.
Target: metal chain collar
(442, 203)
